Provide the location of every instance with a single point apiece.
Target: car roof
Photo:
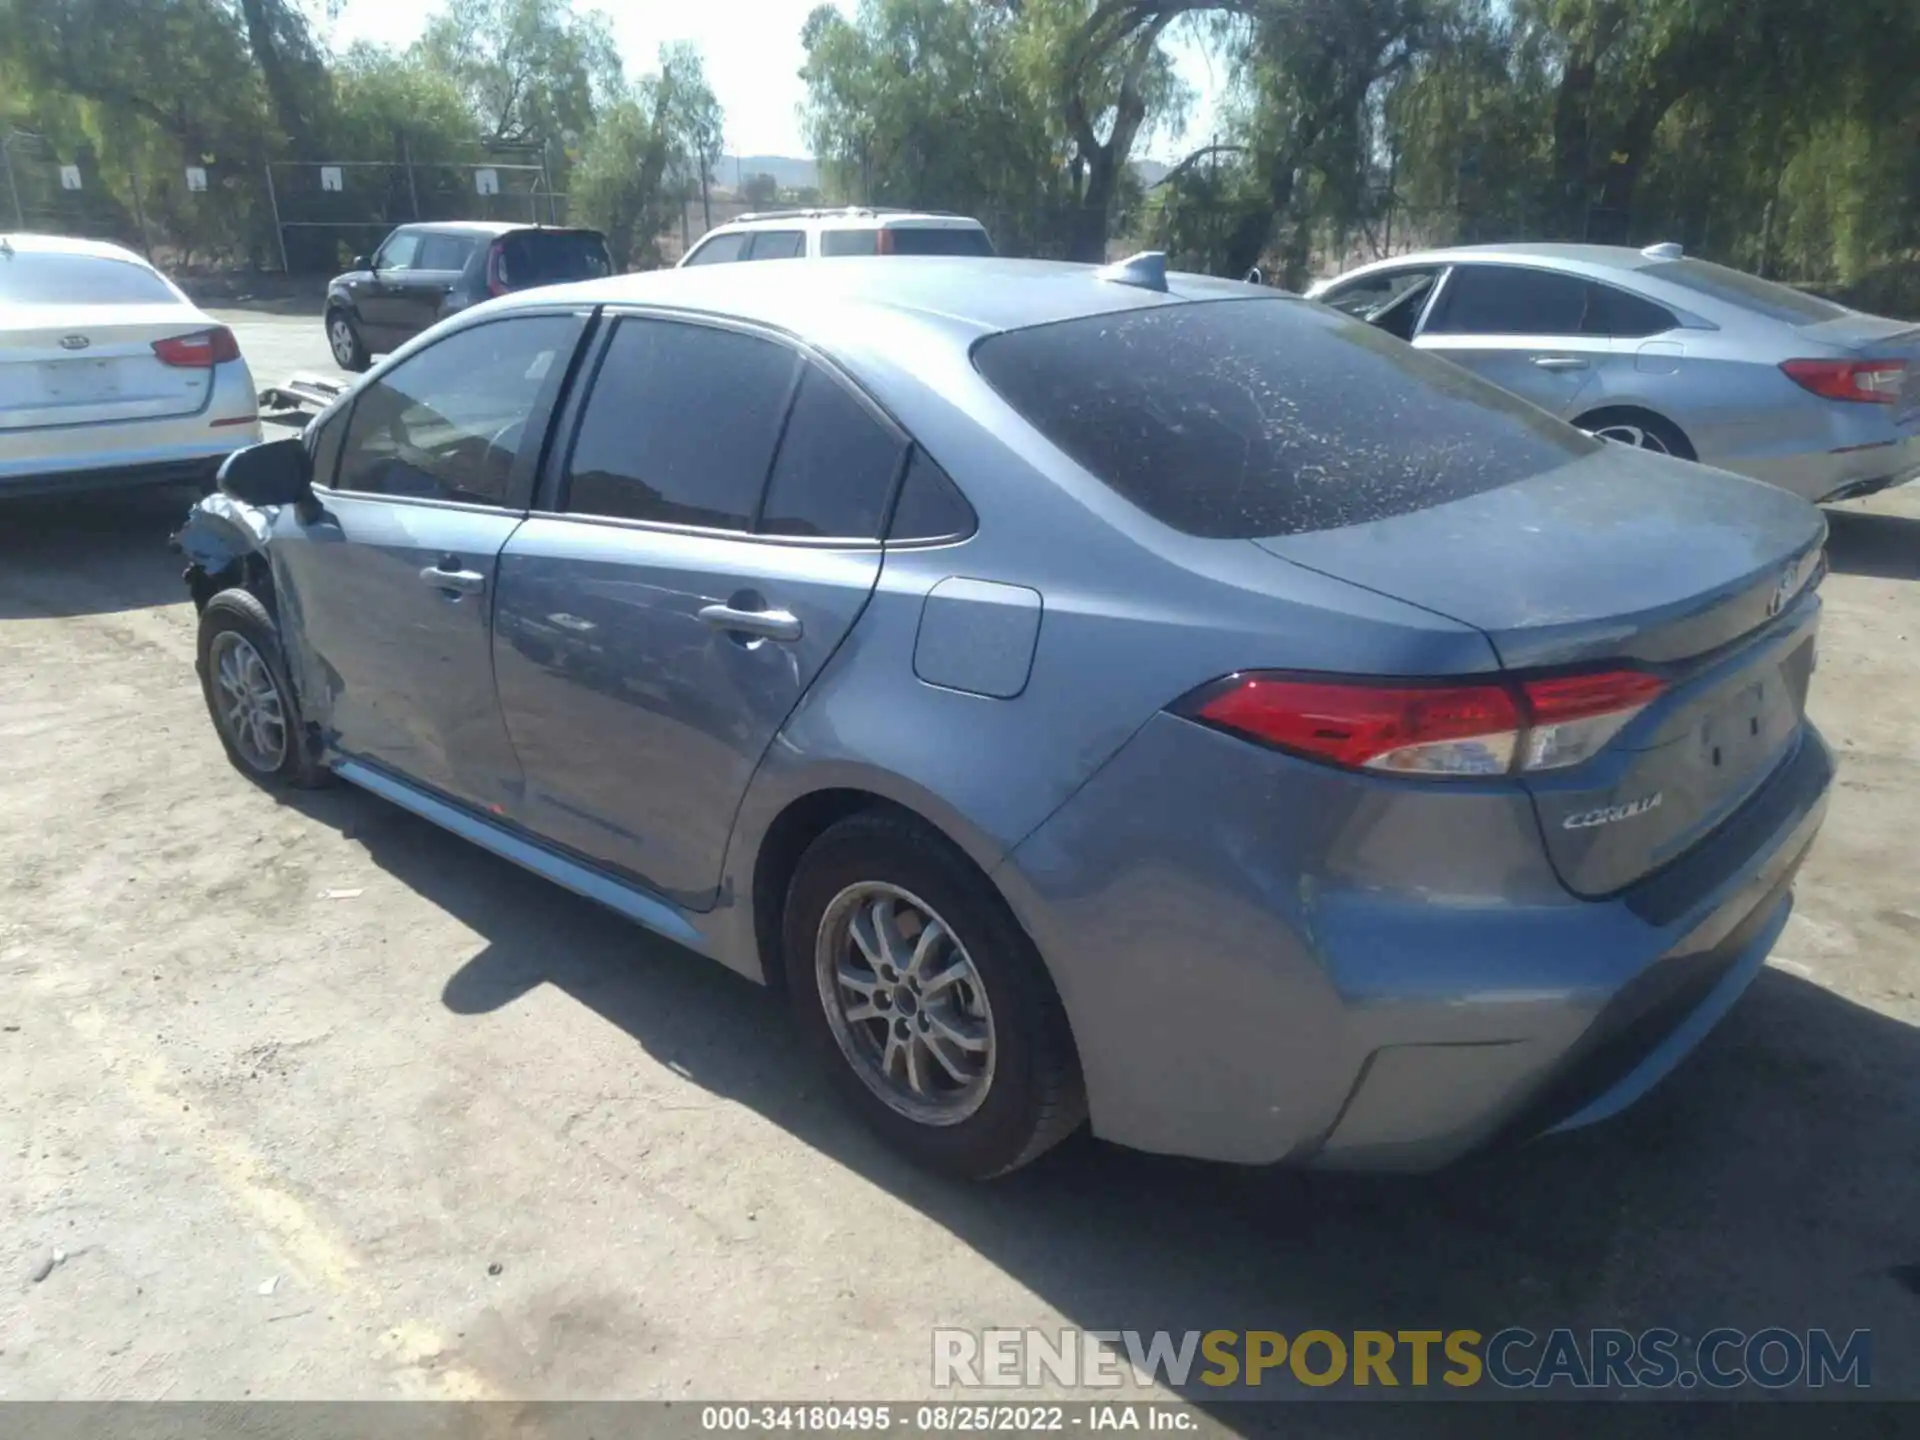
(1569, 256)
(971, 295)
(859, 217)
(29, 244)
(488, 227)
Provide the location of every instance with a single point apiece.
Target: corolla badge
(1609, 814)
(74, 342)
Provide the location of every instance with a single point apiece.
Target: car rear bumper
(1232, 1005)
(1845, 472)
(152, 451)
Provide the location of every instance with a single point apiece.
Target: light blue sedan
(1656, 349)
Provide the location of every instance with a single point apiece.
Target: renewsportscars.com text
(1514, 1359)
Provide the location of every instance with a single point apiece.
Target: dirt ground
(313, 1100)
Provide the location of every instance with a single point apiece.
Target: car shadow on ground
(92, 553)
(1866, 542)
(1773, 1181)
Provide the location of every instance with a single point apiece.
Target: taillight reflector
(1863, 382)
(1487, 728)
(198, 351)
(496, 269)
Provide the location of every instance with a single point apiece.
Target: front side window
(1241, 419)
(718, 250)
(1510, 300)
(681, 425)
(449, 422)
(1368, 296)
(399, 251)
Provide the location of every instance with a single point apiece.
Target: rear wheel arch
(1671, 438)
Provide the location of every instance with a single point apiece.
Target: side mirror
(366, 262)
(274, 472)
(1254, 277)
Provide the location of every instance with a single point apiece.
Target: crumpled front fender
(220, 530)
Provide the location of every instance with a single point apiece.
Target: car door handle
(448, 576)
(770, 624)
(1559, 362)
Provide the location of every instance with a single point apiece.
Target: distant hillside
(797, 172)
(790, 172)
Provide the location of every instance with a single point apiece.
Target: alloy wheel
(1634, 435)
(251, 712)
(340, 338)
(905, 1003)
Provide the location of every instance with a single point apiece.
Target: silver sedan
(1656, 349)
(109, 376)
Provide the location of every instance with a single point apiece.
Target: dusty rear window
(34, 278)
(1736, 287)
(1247, 418)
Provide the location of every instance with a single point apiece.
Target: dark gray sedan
(1092, 694)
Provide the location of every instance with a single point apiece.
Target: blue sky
(753, 56)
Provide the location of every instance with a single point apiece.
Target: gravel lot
(316, 1101)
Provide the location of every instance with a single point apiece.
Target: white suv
(819, 234)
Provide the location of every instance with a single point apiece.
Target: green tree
(638, 161)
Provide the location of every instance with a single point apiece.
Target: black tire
(1667, 436)
(353, 353)
(240, 612)
(1035, 1097)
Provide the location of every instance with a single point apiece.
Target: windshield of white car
(27, 278)
(1750, 292)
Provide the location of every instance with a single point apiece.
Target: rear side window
(935, 240)
(1626, 317)
(1750, 292)
(930, 506)
(1247, 418)
(836, 468)
(444, 252)
(30, 278)
(681, 425)
(849, 242)
(1510, 300)
(778, 245)
(719, 249)
(552, 257)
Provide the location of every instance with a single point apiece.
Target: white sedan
(109, 376)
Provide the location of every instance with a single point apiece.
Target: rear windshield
(32, 279)
(533, 257)
(1735, 287)
(937, 240)
(1239, 419)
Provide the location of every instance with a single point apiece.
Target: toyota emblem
(74, 342)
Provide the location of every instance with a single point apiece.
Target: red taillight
(883, 241)
(1865, 382)
(1490, 728)
(496, 269)
(198, 351)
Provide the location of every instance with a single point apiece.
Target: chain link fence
(297, 217)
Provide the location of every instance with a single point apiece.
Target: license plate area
(1748, 726)
(79, 382)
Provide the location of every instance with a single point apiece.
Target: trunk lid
(1623, 558)
(84, 365)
